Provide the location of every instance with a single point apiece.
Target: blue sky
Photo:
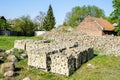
(16, 8)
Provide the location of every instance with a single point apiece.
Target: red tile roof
(105, 24)
(102, 23)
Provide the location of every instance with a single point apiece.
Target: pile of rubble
(7, 61)
(108, 44)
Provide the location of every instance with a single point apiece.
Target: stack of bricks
(62, 64)
(66, 63)
(30, 44)
(37, 59)
(36, 45)
(20, 44)
(53, 57)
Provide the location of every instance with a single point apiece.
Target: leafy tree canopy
(79, 13)
(24, 25)
(115, 15)
(3, 24)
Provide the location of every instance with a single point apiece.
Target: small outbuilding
(96, 26)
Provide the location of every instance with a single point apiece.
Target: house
(96, 26)
(2, 17)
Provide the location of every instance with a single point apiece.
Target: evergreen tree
(49, 20)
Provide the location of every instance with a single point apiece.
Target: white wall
(38, 33)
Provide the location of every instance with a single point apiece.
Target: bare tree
(39, 20)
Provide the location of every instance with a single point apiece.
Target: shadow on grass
(17, 70)
(95, 55)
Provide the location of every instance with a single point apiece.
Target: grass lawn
(102, 67)
(7, 42)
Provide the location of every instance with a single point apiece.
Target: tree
(79, 13)
(67, 16)
(24, 25)
(75, 16)
(4, 25)
(49, 20)
(39, 20)
(115, 15)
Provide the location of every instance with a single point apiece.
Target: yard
(101, 67)
(7, 42)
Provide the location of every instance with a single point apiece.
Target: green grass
(103, 67)
(7, 42)
(34, 74)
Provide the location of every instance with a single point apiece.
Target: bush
(17, 53)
